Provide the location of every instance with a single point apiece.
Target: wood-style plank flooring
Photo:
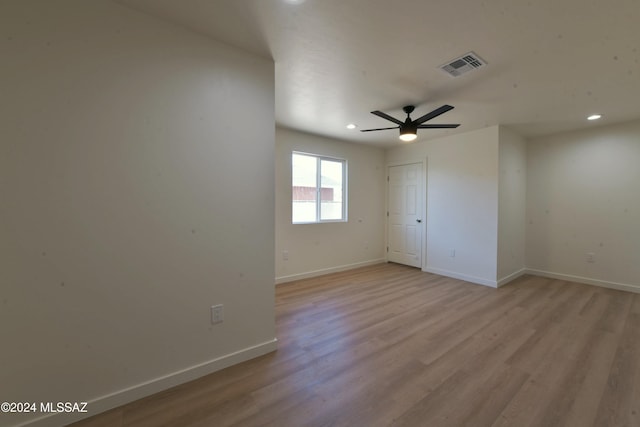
(389, 345)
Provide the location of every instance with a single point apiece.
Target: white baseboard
(315, 273)
(585, 280)
(473, 279)
(465, 277)
(512, 276)
(128, 395)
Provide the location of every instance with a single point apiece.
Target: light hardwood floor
(389, 345)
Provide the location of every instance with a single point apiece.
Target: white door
(405, 214)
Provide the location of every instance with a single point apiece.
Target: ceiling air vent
(467, 62)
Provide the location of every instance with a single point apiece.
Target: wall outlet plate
(217, 314)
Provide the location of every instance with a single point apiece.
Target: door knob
(418, 220)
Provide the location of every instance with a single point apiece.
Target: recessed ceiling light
(351, 126)
(594, 117)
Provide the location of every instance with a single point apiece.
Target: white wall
(512, 189)
(462, 202)
(321, 248)
(130, 204)
(583, 196)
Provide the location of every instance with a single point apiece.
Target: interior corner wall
(130, 205)
(512, 205)
(315, 249)
(462, 202)
(583, 198)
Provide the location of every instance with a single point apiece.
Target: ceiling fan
(409, 128)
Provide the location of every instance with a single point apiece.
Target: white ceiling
(550, 62)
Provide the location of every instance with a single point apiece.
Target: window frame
(319, 158)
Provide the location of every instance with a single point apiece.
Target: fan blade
(438, 126)
(370, 130)
(435, 113)
(386, 116)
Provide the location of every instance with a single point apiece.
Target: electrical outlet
(452, 253)
(217, 314)
(591, 257)
(285, 255)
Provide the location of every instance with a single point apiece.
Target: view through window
(318, 188)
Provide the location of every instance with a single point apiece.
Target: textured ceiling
(550, 62)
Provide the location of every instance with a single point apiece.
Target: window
(318, 188)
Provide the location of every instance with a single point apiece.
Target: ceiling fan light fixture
(408, 135)
(409, 128)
